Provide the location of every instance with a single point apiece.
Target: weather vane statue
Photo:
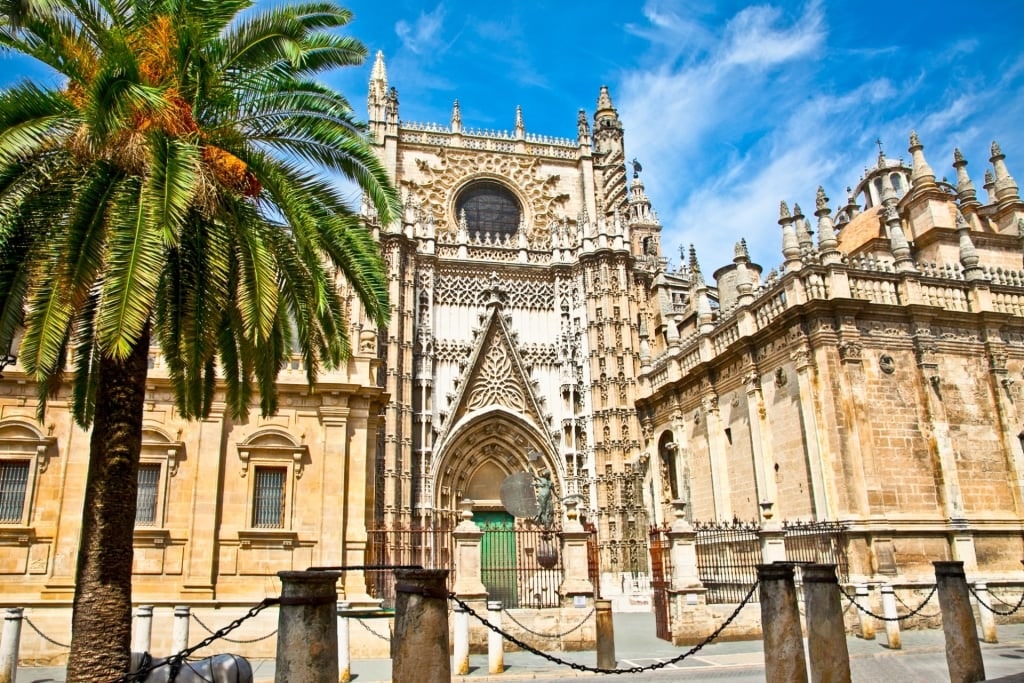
(637, 168)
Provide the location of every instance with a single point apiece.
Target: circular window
(489, 208)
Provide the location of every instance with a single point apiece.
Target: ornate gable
(496, 375)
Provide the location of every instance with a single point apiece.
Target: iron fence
(432, 548)
(521, 564)
(727, 557)
(728, 553)
(822, 542)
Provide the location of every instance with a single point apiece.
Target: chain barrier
(42, 635)
(593, 669)
(906, 606)
(175, 661)
(1001, 601)
(550, 635)
(913, 612)
(386, 639)
(232, 640)
(992, 609)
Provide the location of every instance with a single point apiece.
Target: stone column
(963, 654)
(773, 537)
(826, 632)
(179, 635)
(691, 618)
(460, 651)
(784, 659)
(719, 458)
(357, 485)
(420, 644)
(330, 547)
(804, 362)
(468, 537)
(760, 439)
(985, 613)
(867, 624)
(495, 643)
(143, 628)
(605, 634)
(574, 555)
(9, 644)
(207, 485)
(892, 627)
(307, 629)
(344, 644)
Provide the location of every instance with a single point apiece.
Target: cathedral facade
(874, 378)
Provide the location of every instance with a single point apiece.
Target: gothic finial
(914, 140)
(965, 191)
(784, 211)
(582, 127)
(694, 264)
(520, 128)
(898, 240)
(379, 72)
(969, 258)
(996, 151)
(456, 118)
(604, 100)
(958, 158)
(740, 250)
(922, 175)
(820, 200)
(989, 178)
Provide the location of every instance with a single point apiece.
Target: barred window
(13, 484)
(146, 499)
(268, 498)
(489, 208)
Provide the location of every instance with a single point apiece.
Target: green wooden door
(498, 563)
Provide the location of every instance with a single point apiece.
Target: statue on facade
(545, 505)
(637, 168)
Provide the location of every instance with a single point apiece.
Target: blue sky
(730, 106)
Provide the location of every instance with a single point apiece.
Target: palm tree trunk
(102, 620)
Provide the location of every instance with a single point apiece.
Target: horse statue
(223, 668)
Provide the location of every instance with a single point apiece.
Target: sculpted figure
(545, 505)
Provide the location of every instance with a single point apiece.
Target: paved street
(921, 660)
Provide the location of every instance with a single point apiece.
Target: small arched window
(490, 208)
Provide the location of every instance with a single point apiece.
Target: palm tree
(172, 188)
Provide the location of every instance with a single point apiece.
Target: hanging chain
(42, 635)
(913, 612)
(232, 640)
(386, 639)
(592, 669)
(992, 609)
(550, 635)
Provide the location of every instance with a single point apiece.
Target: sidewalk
(921, 659)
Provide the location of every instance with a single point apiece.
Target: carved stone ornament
(926, 352)
(850, 352)
(780, 377)
(886, 364)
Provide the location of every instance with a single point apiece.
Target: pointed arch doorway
(472, 465)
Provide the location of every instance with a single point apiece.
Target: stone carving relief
(441, 177)
(496, 385)
(886, 364)
(850, 352)
(470, 290)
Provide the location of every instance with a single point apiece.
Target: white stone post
(985, 613)
(344, 649)
(867, 624)
(683, 548)
(495, 643)
(179, 636)
(773, 537)
(143, 628)
(461, 646)
(574, 555)
(468, 537)
(892, 628)
(9, 643)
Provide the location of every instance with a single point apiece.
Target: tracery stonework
(495, 384)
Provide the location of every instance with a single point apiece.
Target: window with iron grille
(490, 208)
(13, 484)
(146, 499)
(269, 498)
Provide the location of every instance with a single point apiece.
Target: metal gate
(661, 577)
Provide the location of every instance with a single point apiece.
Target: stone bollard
(495, 643)
(420, 646)
(826, 632)
(985, 613)
(784, 660)
(867, 623)
(179, 635)
(9, 643)
(461, 649)
(605, 634)
(963, 653)
(344, 649)
(892, 627)
(143, 628)
(307, 630)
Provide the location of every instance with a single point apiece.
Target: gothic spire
(965, 191)
(898, 240)
(827, 242)
(969, 258)
(520, 126)
(456, 118)
(1006, 189)
(790, 243)
(803, 230)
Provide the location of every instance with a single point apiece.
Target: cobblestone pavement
(922, 659)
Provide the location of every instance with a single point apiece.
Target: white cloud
(424, 34)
